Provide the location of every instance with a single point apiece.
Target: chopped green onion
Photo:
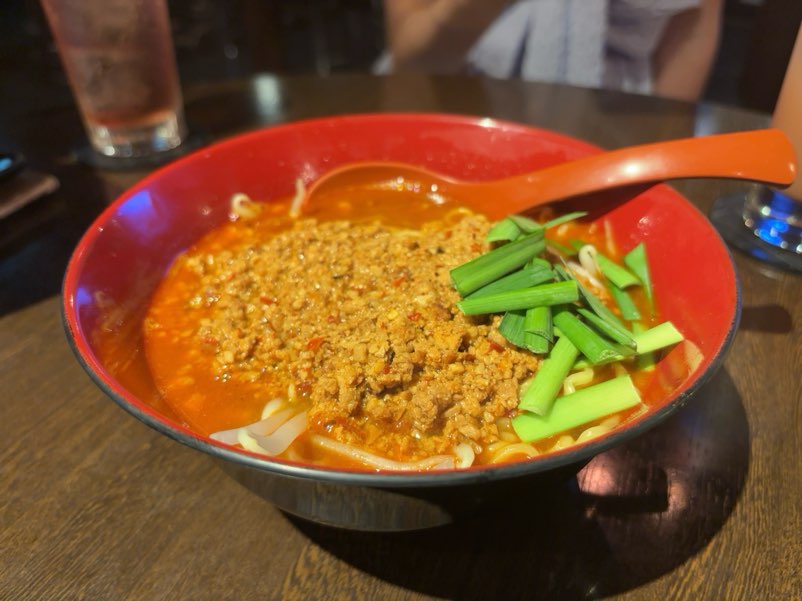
(512, 279)
(526, 298)
(561, 249)
(660, 336)
(628, 309)
(498, 262)
(538, 331)
(538, 321)
(504, 230)
(533, 273)
(578, 408)
(512, 327)
(536, 343)
(636, 260)
(562, 273)
(526, 225)
(594, 303)
(589, 343)
(646, 361)
(603, 327)
(564, 219)
(615, 273)
(538, 262)
(547, 382)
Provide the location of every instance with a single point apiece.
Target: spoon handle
(764, 156)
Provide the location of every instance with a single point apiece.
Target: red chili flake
(495, 346)
(399, 280)
(386, 369)
(304, 387)
(414, 316)
(331, 319)
(476, 247)
(448, 234)
(315, 343)
(266, 300)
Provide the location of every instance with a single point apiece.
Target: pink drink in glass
(119, 59)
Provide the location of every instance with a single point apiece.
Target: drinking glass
(119, 59)
(768, 224)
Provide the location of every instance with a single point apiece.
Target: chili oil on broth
(186, 364)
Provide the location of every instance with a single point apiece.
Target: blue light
(776, 222)
(82, 298)
(140, 214)
(769, 230)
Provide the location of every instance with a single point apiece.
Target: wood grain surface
(95, 505)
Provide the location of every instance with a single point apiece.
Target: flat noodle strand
(577, 380)
(355, 454)
(514, 450)
(242, 207)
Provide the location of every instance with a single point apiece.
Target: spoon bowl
(763, 156)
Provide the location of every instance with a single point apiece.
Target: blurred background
(231, 39)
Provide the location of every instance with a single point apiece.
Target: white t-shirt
(593, 43)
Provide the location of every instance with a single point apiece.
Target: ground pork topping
(358, 320)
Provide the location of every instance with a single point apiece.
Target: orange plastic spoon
(764, 156)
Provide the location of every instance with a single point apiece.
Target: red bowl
(121, 258)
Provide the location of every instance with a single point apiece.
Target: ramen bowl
(121, 259)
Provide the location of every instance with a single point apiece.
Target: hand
(436, 35)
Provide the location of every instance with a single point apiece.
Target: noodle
(619, 370)
(465, 455)
(436, 462)
(272, 407)
(598, 430)
(563, 442)
(273, 416)
(587, 258)
(270, 436)
(505, 430)
(608, 237)
(277, 442)
(577, 380)
(512, 450)
(242, 207)
(247, 442)
(580, 271)
(298, 199)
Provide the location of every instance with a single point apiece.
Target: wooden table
(96, 505)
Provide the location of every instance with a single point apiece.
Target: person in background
(660, 47)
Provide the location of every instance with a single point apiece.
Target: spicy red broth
(352, 322)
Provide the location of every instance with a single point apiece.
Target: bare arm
(436, 35)
(686, 51)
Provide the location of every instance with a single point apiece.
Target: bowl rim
(573, 455)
